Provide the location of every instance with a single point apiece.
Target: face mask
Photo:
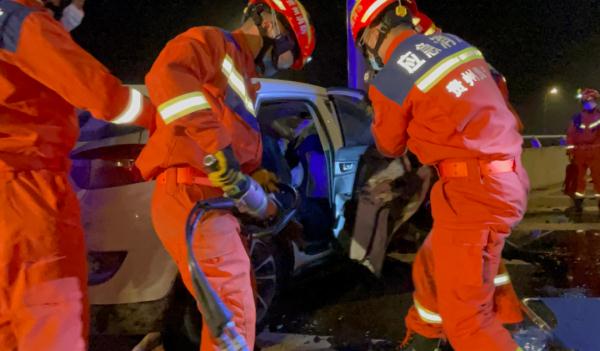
(72, 17)
(264, 62)
(589, 105)
(374, 63)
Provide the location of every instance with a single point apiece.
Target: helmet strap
(255, 12)
(392, 18)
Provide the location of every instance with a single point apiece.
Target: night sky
(537, 44)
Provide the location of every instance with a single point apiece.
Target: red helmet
(300, 24)
(365, 12)
(590, 95)
(422, 23)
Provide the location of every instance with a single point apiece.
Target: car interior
(292, 149)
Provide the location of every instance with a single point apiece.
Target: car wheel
(270, 269)
(183, 323)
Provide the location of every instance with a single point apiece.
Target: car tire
(272, 264)
(183, 324)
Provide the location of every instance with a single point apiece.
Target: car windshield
(355, 118)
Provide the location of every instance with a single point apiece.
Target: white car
(316, 139)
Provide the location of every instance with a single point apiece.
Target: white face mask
(374, 64)
(72, 17)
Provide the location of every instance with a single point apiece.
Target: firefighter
(45, 76)
(424, 25)
(506, 302)
(201, 83)
(583, 148)
(436, 95)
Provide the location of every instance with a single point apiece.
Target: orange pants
(584, 159)
(456, 270)
(43, 275)
(218, 247)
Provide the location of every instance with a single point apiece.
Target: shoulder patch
(12, 16)
(422, 61)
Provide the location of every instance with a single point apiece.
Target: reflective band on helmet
(182, 105)
(133, 109)
(439, 71)
(279, 4)
(502, 279)
(427, 315)
(374, 6)
(236, 82)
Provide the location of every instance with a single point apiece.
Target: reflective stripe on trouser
(43, 275)
(586, 159)
(506, 303)
(218, 247)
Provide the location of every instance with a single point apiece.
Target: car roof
(286, 87)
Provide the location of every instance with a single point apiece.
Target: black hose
(216, 315)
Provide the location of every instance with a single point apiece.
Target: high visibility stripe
(182, 105)
(236, 82)
(596, 195)
(441, 70)
(427, 315)
(279, 4)
(133, 109)
(578, 194)
(377, 4)
(582, 126)
(502, 279)
(569, 147)
(594, 124)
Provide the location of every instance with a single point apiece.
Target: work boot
(416, 342)
(577, 207)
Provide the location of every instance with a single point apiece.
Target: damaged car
(316, 140)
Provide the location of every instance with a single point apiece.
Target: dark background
(537, 44)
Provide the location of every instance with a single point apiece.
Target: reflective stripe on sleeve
(133, 109)
(183, 105)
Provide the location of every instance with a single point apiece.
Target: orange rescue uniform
(201, 85)
(583, 146)
(43, 279)
(437, 97)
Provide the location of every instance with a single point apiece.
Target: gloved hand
(266, 179)
(225, 173)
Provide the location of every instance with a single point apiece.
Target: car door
(353, 116)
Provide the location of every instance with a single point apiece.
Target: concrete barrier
(545, 166)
